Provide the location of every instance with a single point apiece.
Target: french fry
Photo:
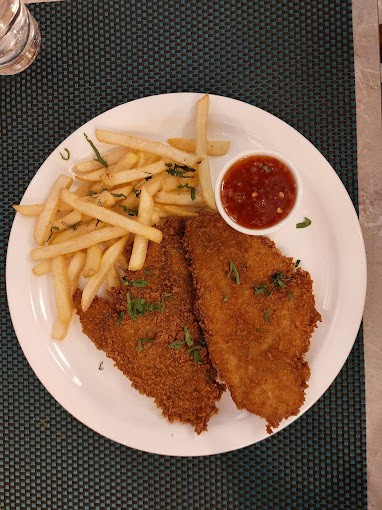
(64, 304)
(46, 218)
(133, 175)
(159, 148)
(108, 260)
(84, 228)
(174, 210)
(214, 148)
(83, 189)
(111, 158)
(141, 159)
(42, 268)
(93, 260)
(204, 173)
(111, 217)
(170, 182)
(77, 243)
(112, 278)
(29, 210)
(145, 212)
(179, 198)
(105, 199)
(155, 218)
(155, 184)
(74, 270)
(93, 176)
(70, 220)
(128, 161)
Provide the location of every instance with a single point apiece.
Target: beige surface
(369, 132)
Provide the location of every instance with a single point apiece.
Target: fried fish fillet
(150, 330)
(257, 313)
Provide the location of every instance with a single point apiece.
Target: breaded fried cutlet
(150, 330)
(257, 312)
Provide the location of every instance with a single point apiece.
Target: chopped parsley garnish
(225, 299)
(176, 344)
(187, 337)
(297, 263)
(266, 168)
(131, 212)
(51, 232)
(73, 226)
(97, 222)
(233, 274)
(278, 280)
(142, 342)
(135, 283)
(165, 295)
(67, 155)
(137, 192)
(148, 178)
(290, 296)
(304, 223)
(194, 350)
(195, 353)
(267, 315)
(119, 195)
(136, 306)
(91, 193)
(99, 158)
(191, 188)
(149, 271)
(179, 170)
(106, 315)
(262, 289)
(100, 367)
(120, 316)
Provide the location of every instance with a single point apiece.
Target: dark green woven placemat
(293, 58)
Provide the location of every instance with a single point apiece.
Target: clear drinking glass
(19, 37)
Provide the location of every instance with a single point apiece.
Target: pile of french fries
(115, 200)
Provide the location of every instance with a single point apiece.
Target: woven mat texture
(292, 58)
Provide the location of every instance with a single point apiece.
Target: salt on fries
(83, 231)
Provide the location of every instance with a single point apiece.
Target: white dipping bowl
(228, 218)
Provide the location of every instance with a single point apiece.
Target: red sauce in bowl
(258, 191)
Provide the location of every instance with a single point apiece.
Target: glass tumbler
(19, 37)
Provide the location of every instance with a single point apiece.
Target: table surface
(369, 135)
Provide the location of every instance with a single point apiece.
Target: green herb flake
(191, 188)
(278, 280)
(73, 226)
(225, 299)
(187, 337)
(177, 344)
(267, 169)
(297, 263)
(137, 192)
(267, 315)
(290, 296)
(131, 212)
(142, 342)
(262, 289)
(304, 223)
(99, 158)
(119, 195)
(106, 315)
(165, 295)
(92, 193)
(67, 157)
(179, 170)
(120, 316)
(233, 273)
(100, 367)
(195, 353)
(135, 283)
(148, 178)
(51, 232)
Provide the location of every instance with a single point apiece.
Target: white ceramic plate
(331, 249)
